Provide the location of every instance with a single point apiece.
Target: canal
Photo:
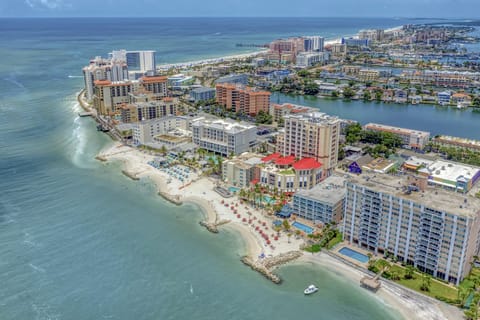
(435, 119)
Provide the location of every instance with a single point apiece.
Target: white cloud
(45, 4)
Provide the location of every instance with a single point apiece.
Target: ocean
(78, 240)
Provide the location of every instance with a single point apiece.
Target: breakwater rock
(266, 266)
(213, 227)
(173, 199)
(261, 269)
(130, 175)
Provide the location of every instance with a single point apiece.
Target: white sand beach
(199, 190)
(232, 213)
(410, 306)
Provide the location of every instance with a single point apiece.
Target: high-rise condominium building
(311, 134)
(431, 228)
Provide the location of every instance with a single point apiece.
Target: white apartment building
(103, 69)
(431, 228)
(224, 136)
(414, 139)
(137, 61)
(308, 59)
(144, 132)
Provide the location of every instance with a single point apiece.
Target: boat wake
(70, 76)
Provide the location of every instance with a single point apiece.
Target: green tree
(286, 225)
(426, 282)
(311, 88)
(348, 93)
(409, 272)
(263, 117)
(304, 73)
(367, 96)
(334, 94)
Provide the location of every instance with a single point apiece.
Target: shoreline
(409, 305)
(200, 193)
(240, 56)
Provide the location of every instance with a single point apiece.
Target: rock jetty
(213, 227)
(266, 266)
(173, 199)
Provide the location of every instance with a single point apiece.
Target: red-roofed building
(307, 164)
(287, 175)
(271, 157)
(285, 161)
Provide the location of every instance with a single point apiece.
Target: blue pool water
(354, 254)
(302, 227)
(233, 189)
(268, 199)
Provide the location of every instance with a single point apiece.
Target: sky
(241, 8)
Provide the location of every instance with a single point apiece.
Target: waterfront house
(443, 98)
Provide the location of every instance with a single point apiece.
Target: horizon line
(237, 17)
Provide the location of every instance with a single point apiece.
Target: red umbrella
(238, 216)
(268, 241)
(276, 238)
(250, 221)
(244, 220)
(256, 228)
(222, 201)
(264, 223)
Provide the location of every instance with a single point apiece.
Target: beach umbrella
(238, 216)
(276, 238)
(256, 228)
(244, 220)
(268, 241)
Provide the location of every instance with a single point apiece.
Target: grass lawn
(313, 248)
(332, 243)
(437, 288)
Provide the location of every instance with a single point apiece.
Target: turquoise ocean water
(78, 240)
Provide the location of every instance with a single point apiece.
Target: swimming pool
(268, 199)
(233, 189)
(302, 227)
(354, 254)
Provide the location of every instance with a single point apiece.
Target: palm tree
(409, 272)
(394, 275)
(426, 282)
(277, 229)
(242, 194)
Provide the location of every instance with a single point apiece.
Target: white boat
(310, 289)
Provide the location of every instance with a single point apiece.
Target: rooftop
(330, 190)
(397, 130)
(433, 197)
(306, 164)
(459, 141)
(219, 124)
(154, 79)
(451, 171)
